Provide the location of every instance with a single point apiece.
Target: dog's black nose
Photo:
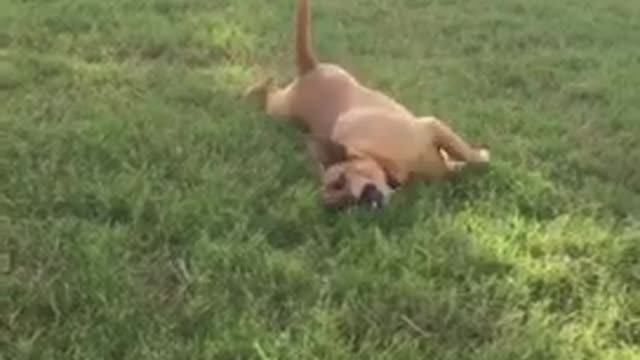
(371, 196)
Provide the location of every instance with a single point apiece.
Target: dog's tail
(305, 58)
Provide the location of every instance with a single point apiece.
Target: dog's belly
(363, 97)
(329, 92)
(394, 136)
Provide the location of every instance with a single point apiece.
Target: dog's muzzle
(371, 197)
(339, 202)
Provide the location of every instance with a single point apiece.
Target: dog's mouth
(371, 197)
(339, 203)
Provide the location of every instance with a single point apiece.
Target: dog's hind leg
(275, 101)
(455, 146)
(278, 103)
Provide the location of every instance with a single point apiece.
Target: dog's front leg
(457, 149)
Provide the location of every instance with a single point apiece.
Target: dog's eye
(339, 184)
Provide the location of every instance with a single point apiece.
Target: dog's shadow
(409, 206)
(416, 203)
(295, 168)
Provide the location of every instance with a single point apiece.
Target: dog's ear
(324, 151)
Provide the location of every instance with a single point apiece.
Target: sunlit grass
(150, 212)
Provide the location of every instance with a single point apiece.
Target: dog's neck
(393, 177)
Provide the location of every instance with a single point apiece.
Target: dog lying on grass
(366, 143)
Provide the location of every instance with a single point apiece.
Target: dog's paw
(259, 91)
(484, 155)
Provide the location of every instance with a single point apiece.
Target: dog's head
(349, 179)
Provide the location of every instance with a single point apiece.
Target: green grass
(151, 213)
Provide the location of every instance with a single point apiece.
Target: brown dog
(366, 143)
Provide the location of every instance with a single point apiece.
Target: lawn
(147, 211)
